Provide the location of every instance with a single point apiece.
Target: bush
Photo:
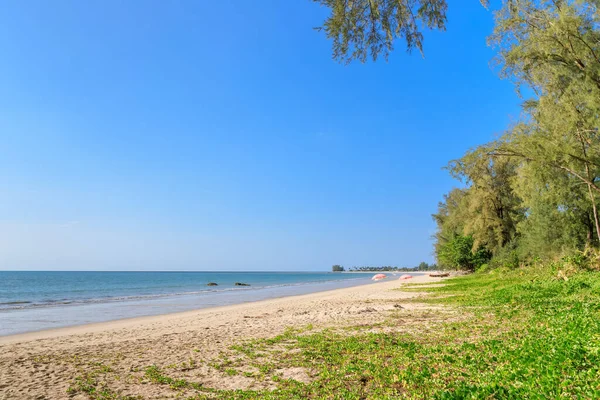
(458, 253)
(507, 257)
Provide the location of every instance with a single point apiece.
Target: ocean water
(36, 300)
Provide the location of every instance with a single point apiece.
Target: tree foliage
(423, 266)
(492, 208)
(533, 192)
(362, 28)
(460, 253)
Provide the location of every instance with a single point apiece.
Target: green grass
(524, 334)
(94, 385)
(155, 375)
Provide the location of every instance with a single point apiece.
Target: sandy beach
(43, 365)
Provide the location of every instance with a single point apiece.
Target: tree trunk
(595, 211)
(589, 236)
(590, 184)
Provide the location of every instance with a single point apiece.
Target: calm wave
(29, 289)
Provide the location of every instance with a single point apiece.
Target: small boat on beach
(439, 275)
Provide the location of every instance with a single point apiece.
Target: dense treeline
(533, 192)
(423, 266)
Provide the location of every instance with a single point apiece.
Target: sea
(38, 300)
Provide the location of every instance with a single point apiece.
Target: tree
(553, 47)
(423, 266)
(337, 268)
(534, 191)
(541, 40)
(458, 253)
(450, 218)
(492, 209)
(487, 210)
(559, 215)
(363, 28)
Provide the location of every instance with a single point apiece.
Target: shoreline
(56, 315)
(121, 323)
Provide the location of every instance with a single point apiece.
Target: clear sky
(220, 135)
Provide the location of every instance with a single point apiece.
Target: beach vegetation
(458, 253)
(95, 386)
(155, 375)
(530, 332)
(364, 29)
(532, 194)
(523, 339)
(423, 266)
(337, 268)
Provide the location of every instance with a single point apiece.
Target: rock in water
(241, 284)
(211, 284)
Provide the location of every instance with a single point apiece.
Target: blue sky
(222, 136)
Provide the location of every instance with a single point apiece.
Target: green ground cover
(524, 334)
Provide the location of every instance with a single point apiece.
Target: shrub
(458, 253)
